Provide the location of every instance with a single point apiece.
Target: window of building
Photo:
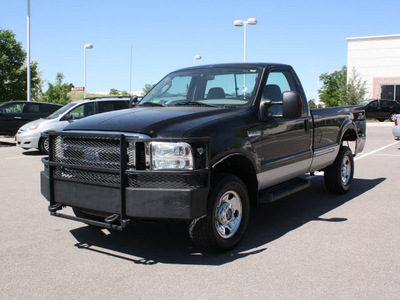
(390, 92)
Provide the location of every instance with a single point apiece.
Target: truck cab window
(278, 82)
(222, 86)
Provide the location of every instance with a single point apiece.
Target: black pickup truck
(203, 146)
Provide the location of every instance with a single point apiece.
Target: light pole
(239, 23)
(87, 46)
(194, 59)
(28, 61)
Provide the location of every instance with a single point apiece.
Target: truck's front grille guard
(97, 159)
(113, 160)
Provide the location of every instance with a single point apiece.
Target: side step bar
(283, 190)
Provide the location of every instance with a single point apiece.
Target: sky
(149, 39)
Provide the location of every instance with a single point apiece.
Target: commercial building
(377, 60)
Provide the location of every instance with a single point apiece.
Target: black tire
(338, 177)
(44, 145)
(392, 117)
(227, 216)
(381, 120)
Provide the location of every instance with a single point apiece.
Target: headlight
(171, 156)
(31, 127)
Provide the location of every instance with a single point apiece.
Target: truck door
(286, 143)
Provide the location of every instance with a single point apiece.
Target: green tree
(57, 93)
(354, 90)
(331, 93)
(113, 92)
(13, 70)
(148, 87)
(311, 103)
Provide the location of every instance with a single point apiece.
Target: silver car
(30, 135)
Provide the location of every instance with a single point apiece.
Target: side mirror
(292, 106)
(264, 105)
(133, 101)
(68, 117)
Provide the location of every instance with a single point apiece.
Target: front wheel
(44, 145)
(392, 117)
(338, 177)
(227, 216)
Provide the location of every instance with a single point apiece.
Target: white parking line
(377, 150)
(17, 157)
(391, 155)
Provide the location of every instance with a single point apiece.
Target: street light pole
(87, 46)
(28, 62)
(244, 41)
(194, 59)
(239, 23)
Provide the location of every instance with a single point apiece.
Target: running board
(283, 190)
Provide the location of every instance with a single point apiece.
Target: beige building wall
(377, 60)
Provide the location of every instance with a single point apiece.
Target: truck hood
(162, 122)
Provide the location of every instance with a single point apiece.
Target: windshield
(219, 86)
(60, 111)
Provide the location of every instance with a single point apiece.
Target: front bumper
(147, 203)
(27, 140)
(109, 175)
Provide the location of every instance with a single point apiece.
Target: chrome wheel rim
(46, 145)
(228, 214)
(346, 170)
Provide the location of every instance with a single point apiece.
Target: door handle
(17, 117)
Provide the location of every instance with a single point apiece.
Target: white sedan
(396, 128)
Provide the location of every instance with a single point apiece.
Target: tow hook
(111, 219)
(55, 207)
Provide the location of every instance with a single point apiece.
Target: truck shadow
(162, 242)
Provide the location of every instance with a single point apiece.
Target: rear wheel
(339, 176)
(227, 216)
(392, 117)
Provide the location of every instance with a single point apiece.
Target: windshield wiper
(151, 104)
(194, 103)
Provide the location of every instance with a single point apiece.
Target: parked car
(382, 110)
(14, 114)
(396, 128)
(30, 135)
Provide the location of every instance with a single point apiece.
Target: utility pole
(28, 63)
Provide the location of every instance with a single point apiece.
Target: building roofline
(376, 37)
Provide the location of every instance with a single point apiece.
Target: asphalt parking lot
(310, 245)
